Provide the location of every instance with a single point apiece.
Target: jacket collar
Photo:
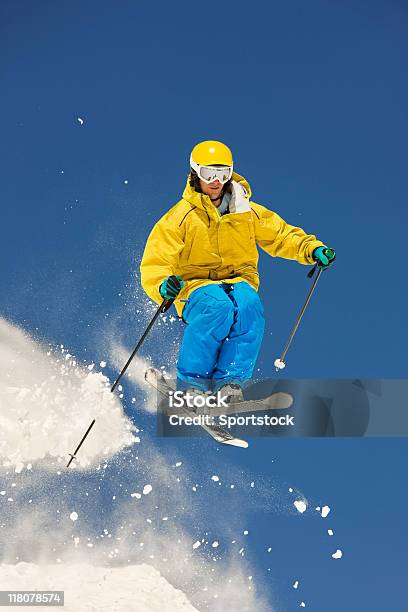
(203, 201)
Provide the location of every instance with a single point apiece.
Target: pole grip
(165, 305)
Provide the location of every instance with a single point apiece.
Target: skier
(203, 254)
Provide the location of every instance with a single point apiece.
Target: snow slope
(138, 588)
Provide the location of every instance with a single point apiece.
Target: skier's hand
(171, 287)
(324, 256)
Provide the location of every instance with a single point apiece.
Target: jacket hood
(203, 201)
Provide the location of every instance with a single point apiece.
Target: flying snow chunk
(215, 478)
(325, 511)
(215, 544)
(73, 516)
(80, 120)
(296, 584)
(196, 544)
(330, 532)
(103, 364)
(302, 604)
(147, 489)
(338, 554)
(300, 505)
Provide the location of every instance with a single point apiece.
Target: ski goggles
(209, 174)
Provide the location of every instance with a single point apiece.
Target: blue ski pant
(222, 339)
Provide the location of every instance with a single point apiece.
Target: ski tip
(150, 375)
(236, 442)
(279, 401)
(284, 400)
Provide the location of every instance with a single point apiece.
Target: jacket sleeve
(280, 239)
(160, 257)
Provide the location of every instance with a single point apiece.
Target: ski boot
(231, 393)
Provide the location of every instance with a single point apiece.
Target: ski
(275, 401)
(156, 379)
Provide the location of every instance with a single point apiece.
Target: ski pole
(280, 363)
(165, 305)
(80, 444)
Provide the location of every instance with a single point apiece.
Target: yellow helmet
(211, 153)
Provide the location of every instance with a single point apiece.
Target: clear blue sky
(312, 99)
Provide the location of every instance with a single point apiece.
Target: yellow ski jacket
(195, 242)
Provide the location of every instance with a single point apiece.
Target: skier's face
(212, 189)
